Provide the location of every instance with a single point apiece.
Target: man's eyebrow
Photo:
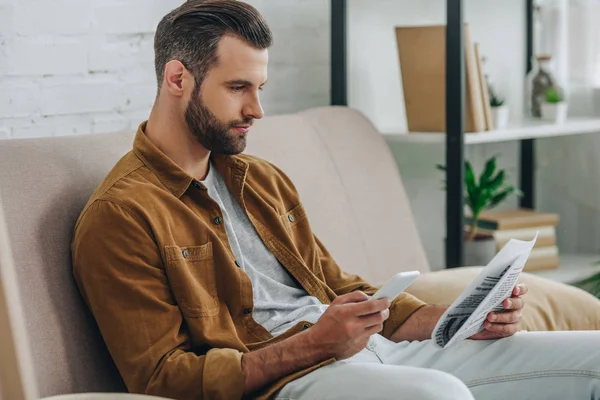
(241, 82)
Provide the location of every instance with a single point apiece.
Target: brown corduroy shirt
(153, 262)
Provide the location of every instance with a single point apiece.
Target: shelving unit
(455, 139)
(527, 129)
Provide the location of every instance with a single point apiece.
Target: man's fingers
(503, 329)
(514, 303)
(505, 317)
(523, 289)
(500, 324)
(367, 307)
(352, 297)
(374, 319)
(520, 290)
(374, 329)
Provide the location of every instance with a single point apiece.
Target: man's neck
(172, 136)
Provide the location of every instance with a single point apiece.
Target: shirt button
(196, 185)
(237, 264)
(218, 220)
(291, 218)
(305, 326)
(185, 253)
(248, 311)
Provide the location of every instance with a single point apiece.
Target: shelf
(572, 268)
(527, 129)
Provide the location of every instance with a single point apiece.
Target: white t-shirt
(279, 302)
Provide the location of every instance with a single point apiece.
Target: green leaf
(490, 168)
(595, 291)
(469, 176)
(496, 182)
(473, 195)
(489, 192)
(554, 95)
(499, 197)
(468, 203)
(485, 196)
(482, 200)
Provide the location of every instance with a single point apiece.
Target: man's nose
(254, 109)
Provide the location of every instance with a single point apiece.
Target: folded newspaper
(465, 317)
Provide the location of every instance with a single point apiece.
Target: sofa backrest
(350, 185)
(340, 164)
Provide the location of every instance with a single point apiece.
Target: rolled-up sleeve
(118, 268)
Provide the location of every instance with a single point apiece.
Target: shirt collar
(169, 173)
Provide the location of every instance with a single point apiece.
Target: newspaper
(465, 317)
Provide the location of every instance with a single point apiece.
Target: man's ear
(177, 80)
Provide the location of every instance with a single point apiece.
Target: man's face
(220, 114)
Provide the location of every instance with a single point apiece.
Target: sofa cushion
(549, 305)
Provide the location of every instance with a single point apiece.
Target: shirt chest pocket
(191, 273)
(294, 216)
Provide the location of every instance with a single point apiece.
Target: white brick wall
(43, 56)
(76, 67)
(59, 17)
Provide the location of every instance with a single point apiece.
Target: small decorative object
(554, 108)
(500, 111)
(541, 82)
(488, 193)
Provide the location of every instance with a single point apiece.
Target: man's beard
(212, 133)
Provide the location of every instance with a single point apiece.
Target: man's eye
(237, 88)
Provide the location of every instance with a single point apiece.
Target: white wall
(80, 66)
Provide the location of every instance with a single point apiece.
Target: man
(207, 282)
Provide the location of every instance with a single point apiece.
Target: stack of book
(523, 224)
(422, 56)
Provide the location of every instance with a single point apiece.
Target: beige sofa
(351, 189)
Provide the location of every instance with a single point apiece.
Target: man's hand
(342, 331)
(345, 327)
(505, 323)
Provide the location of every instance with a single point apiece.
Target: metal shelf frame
(455, 110)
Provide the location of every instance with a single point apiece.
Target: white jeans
(528, 365)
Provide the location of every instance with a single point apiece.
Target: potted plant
(485, 192)
(500, 112)
(554, 107)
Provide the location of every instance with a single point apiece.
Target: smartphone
(395, 286)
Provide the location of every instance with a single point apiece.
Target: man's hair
(191, 33)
